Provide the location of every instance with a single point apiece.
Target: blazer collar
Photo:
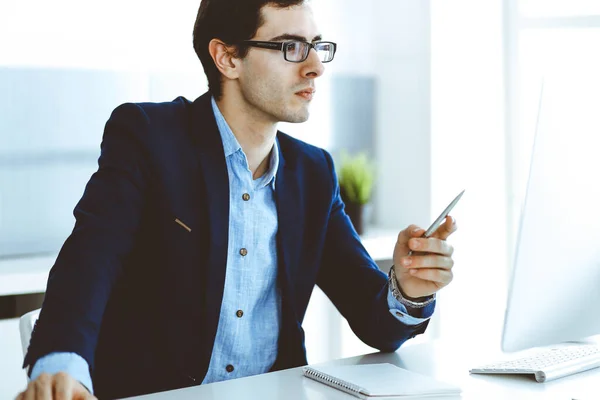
(205, 132)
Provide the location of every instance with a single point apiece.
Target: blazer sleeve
(354, 283)
(91, 259)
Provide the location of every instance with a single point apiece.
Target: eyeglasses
(296, 51)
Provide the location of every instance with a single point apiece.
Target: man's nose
(313, 67)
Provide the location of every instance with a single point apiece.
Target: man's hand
(60, 386)
(429, 268)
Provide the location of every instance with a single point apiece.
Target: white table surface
(442, 361)
(27, 275)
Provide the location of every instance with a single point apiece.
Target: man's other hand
(59, 386)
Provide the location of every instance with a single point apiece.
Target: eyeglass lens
(298, 51)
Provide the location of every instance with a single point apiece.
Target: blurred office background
(442, 94)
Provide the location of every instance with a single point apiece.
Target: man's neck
(256, 135)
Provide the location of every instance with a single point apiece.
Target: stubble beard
(277, 107)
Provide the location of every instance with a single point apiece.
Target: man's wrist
(70, 363)
(412, 302)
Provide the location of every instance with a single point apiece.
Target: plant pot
(356, 213)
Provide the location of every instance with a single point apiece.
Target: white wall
(134, 34)
(390, 40)
(468, 151)
(402, 68)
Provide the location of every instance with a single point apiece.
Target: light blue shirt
(248, 330)
(247, 343)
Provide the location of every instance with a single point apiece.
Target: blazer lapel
(290, 213)
(214, 171)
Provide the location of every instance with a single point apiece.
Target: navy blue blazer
(138, 296)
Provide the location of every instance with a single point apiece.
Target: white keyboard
(548, 364)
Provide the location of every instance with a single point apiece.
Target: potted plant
(356, 178)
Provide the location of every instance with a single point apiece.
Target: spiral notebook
(372, 381)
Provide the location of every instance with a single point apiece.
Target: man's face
(274, 88)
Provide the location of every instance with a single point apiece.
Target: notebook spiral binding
(333, 382)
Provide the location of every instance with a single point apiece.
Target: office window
(62, 73)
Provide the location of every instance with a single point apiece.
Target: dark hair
(231, 21)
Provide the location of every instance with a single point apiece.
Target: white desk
(442, 361)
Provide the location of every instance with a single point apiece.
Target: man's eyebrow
(289, 36)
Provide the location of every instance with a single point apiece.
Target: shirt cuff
(399, 311)
(71, 363)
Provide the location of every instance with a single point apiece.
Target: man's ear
(224, 59)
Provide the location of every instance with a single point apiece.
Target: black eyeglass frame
(282, 47)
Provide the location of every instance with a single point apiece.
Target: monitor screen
(554, 292)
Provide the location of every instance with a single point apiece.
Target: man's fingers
(81, 393)
(88, 396)
(443, 232)
(29, 393)
(410, 232)
(431, 245)
(60, 387)
(63, 386)
(428, 261)
(43, 387)
(447, 228)
(440, 276)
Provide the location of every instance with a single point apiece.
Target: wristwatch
(398, 295)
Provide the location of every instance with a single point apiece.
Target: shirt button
(229, 368)
(399, 314)
(246, 197)
(239, 313)
(243, 252)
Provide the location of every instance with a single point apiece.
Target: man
(201, 236)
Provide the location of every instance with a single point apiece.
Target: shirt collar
(231, 146)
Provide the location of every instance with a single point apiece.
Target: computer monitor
(554, 292)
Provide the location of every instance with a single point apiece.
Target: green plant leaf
(356, 177)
